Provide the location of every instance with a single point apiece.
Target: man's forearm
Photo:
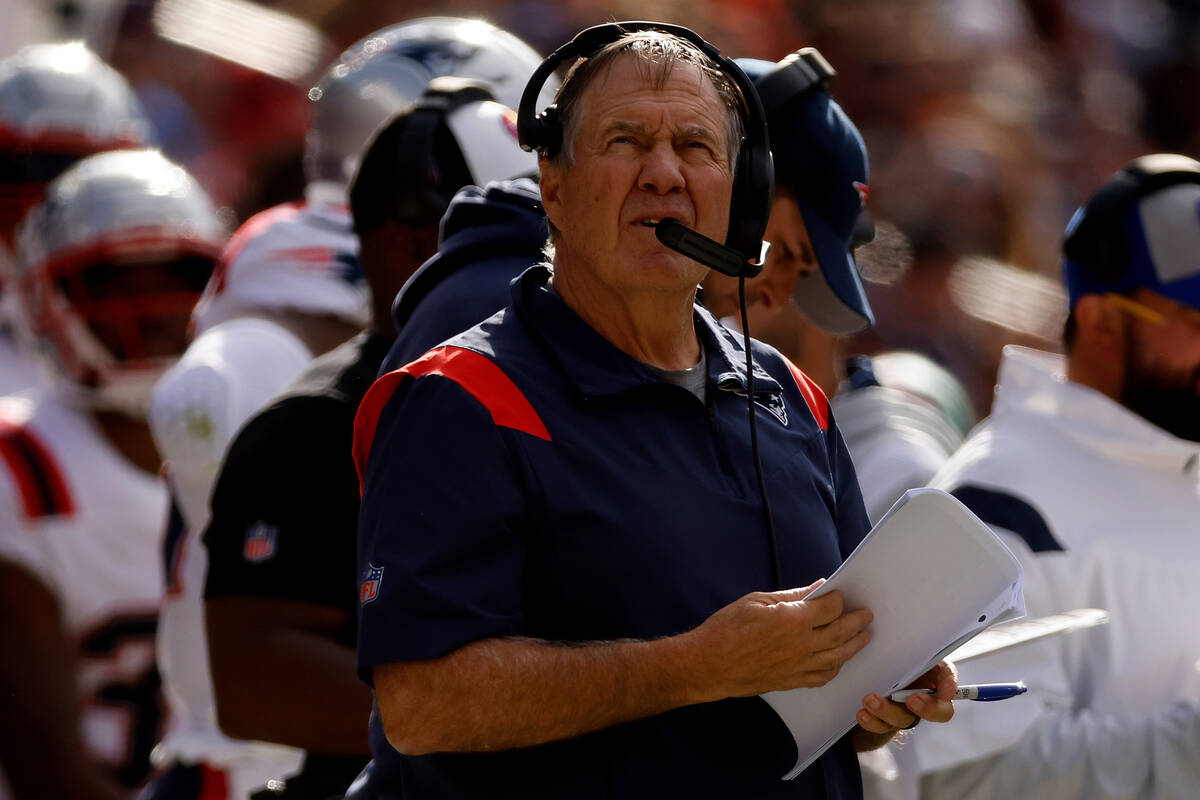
(504, 693)
(280, 675)
(499, 694)
(40, 745)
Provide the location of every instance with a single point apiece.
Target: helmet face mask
(137, 310)
(388, 70)
(111, 265)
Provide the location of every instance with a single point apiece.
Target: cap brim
(832, 297)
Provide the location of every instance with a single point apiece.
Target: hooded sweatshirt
(488, 237)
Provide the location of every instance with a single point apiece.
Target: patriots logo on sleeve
(369, 589)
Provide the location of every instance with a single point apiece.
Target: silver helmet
(110, 265)
(388, 70)
(58, 103)
(63, 97)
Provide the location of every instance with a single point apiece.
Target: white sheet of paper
(934, 575)
(1017, 632)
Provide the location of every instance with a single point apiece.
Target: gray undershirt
(692, 378)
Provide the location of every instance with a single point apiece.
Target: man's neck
(1104, 378)
(655, 327)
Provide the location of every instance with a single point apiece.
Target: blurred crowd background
(988, 121)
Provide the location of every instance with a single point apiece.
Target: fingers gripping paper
(934, 576)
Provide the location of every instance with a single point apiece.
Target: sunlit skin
(640, 154)
(1172, 348)
(1169, 347)
(1142, 351)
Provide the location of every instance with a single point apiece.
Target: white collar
(1034, 382)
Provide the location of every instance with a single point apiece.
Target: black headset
(1097, 244)
(743, 253)
(799, 73)
(427, 165)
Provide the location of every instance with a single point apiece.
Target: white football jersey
(227, 374)
(18, 369)
(89, 524)
(293, 257)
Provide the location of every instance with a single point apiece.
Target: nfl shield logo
(370, 585)
(260, 542)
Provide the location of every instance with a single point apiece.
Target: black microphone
(723, 258)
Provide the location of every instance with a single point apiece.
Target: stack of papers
(934, 576)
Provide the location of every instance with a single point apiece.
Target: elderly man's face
(641, 154)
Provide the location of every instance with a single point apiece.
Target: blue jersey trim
(1008, 511)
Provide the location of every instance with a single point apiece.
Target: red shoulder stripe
(214, 783)
(818, 403)
(43, 489)
(475, 373)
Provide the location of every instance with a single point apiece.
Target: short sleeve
(441, 550)
(284, 508)
(227, 374)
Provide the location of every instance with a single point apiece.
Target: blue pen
(978, 691)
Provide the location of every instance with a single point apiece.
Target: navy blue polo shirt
(527, 478)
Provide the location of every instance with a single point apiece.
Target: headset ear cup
(550, 132)
(736, 238)
(749, 205)
(542, 133)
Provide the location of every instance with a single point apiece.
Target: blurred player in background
(58, 103)
(902, 418)
(489, 236)
(110, 265)
(1088, 468)
(289, 287)
(281, 596)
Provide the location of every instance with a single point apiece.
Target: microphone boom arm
(723, 258)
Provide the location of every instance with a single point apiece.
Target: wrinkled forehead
(678, 86)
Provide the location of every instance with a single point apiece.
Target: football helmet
(388, 70)
(455, 135)
(58, 103)
(110, 265)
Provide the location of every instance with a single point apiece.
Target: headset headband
(798, 73)
(754, 173)
(532, 126)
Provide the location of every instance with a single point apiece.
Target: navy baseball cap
(820, 158)
(1140, 230)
